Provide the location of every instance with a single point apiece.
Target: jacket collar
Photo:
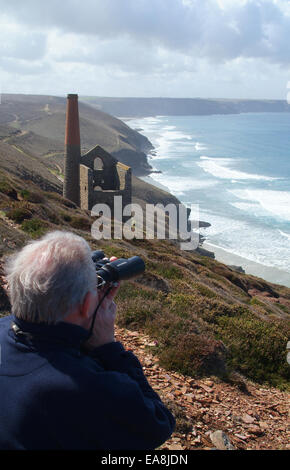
(67, 333)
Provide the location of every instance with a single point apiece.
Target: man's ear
(85, 309)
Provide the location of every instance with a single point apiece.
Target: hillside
(141, 107)
(203, 314)
(35, 124)
(206, 335)
(212, 340)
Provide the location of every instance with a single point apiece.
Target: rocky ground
(251, 416)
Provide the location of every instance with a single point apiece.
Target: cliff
(35, 125)
(141, 107)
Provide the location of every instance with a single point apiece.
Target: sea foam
(181, 184)
(274, 202)
(284, 234)
(219, 167)
(257, 243)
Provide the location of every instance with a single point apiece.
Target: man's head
(52, 278)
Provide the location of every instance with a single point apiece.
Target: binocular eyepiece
(117, 270)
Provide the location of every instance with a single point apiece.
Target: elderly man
(59, 389)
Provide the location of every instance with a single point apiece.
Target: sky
(146, 48)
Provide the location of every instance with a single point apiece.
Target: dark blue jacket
(53, 396)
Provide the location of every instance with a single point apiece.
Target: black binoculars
(118, 270)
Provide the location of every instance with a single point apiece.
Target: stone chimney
(71, 186)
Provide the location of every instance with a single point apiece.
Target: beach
(237, 170)
(268, 273)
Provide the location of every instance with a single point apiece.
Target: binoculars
(117, 270)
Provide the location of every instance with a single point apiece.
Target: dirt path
(17, 134)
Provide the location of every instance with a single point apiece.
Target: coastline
(268, 273)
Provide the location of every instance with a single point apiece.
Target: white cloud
(171, 47)
(19, 42)
(204, 28)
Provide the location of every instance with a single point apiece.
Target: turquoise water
(237, 168)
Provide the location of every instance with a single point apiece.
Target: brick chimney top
(72, 132)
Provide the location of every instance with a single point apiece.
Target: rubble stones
(221, 441)
(257, 420)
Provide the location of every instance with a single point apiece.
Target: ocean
(237, 169)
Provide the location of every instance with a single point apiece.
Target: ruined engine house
(95, 177)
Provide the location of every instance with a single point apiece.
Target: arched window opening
(98, 164)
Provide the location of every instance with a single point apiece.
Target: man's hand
(104, 326)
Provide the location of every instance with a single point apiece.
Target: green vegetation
(197, 334)
(34, 227)
(6, 188)
(256, 348)
(57, 173)
(18, 214)
(255, 301)
(59, 199)
(48, 213)
(165, 269)
(66, 217)
(81, 223)
(114, 250)
(31, 196)
(202, 289)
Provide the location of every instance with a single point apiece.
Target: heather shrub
(66, 217)
(113, 250)
(181, 304)
(31, 196)
(204, 335)
(134, 289)
(165, 269)
(34, 227)
(258, 302)
(18, 214)
(256, 348)
(204, 290)
(7, 189)
(137, 313)
(185, 349)
(80, 223)
(206, 308)
(49, 214)
(59, 198)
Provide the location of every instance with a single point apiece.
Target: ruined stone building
(95, 177)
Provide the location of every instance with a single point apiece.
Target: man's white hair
(49, 277)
